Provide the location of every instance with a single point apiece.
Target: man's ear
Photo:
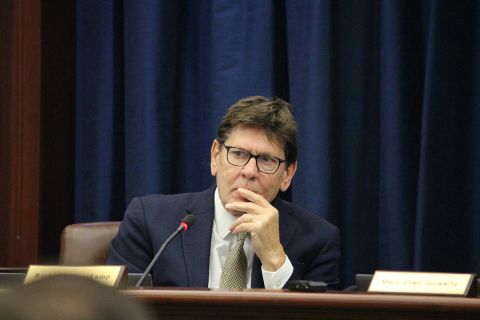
(287, 180)
(214, 157)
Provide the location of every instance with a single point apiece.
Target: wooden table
(278, 304)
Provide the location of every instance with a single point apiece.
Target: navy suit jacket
(311, 243)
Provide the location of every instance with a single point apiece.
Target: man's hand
(260, 219)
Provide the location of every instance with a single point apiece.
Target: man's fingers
(247, 207)
(252, 196)
(246, 218)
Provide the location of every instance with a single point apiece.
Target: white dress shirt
(223, 240)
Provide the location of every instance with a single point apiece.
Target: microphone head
(188, 221)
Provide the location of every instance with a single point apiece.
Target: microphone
(185, 223)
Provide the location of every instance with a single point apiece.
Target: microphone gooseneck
(185, 224)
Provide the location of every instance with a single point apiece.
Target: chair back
(87, 243)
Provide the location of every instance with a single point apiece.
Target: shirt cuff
(277, 279)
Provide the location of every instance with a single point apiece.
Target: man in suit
(253, 158)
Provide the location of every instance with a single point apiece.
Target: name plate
(113, 276)
(436, 283)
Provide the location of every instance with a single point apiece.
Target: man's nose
(250, 168)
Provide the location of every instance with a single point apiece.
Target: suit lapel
(196, 242)
(287, 230)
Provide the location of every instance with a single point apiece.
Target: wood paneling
(36, 128)
(21, 132)
(6, 11)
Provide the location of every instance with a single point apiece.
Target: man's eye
(239, 153)
(267, 159)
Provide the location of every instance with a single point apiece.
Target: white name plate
(436, 283)
(113, 276)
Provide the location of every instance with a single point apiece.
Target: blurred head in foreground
(69, 298)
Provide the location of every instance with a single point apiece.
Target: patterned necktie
(234, 272)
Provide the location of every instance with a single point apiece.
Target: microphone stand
(162, 248)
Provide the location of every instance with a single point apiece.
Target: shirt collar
(223, 219)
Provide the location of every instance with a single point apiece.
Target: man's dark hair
(273, 115)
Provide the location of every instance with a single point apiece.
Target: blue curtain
(386, 95)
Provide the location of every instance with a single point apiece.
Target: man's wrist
(273, 263)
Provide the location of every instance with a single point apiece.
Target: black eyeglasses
(240, 157)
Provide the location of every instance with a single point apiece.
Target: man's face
(230, 177)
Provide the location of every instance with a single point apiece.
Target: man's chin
(234, 196)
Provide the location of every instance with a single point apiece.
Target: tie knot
(241, 237)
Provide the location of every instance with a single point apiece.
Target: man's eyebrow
(267, 153)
